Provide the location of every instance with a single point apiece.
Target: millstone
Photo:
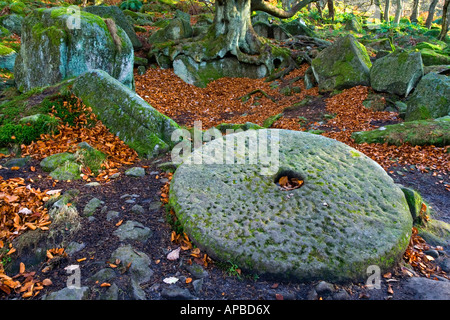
(348, 214)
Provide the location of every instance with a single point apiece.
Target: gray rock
(112, 215)
(342, 65)
(324, 287)
(7, 58)
(92, 206)
(65, 52)
(176, 29)
(341, 295)
(12, 22)
(137, 209)
(138, 292)
(52, 162)
(74, 247)
(200, 74)
(312, 295)
(198, 285)
(119, 17)
(103, 275)
(111, 293)
(16, 162)
(347, 213)
(69, 294)
(141, 126)
(135, 172)
(445, 265)
(397, 73)
(430, 99)
(196, 271)
(140, 263)
(132, 230)
(427, 289)
(67, 171)
(176, 293)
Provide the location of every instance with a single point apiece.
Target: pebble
(176, 293)
(135, 172)
(138, 209)
(324, 287)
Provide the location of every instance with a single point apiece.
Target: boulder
(59, 43)
(126, 114)
(431, 57)
(201, 73)
(347, 215)
(12, 22)
(417, 133)
(397, 73)
(176, 29)
(119, 18)
(343, 65)
(431, 98)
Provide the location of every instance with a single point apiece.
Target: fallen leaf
(170, 280)
(188, 280)
(47, 282)
(105, 284)
(174, 254)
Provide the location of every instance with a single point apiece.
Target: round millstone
(348, 214)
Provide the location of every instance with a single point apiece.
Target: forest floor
(422, 168)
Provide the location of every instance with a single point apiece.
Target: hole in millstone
(276, 63)
(288, 180)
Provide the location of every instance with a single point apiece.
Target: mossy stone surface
(348, 215)
(53, 48)
(430, 99)
(397, 73)
(126, 114)
(343, 65)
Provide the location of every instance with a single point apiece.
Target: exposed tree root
(247, 96)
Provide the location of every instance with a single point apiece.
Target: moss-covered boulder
(119, 18)
(126, 114)
(344, 64)
(419, 132)
(397, 73)
(12, 22)
(7, 58)
(430, 99)
(432, 57)
(347, 215)
(176, 29)
(59, 43)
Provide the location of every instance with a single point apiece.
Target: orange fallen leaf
(119, 223)
(22, 267)
(105, 284)
(47, 282)
(81, 259)
(188, 280)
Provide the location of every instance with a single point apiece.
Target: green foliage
(133, 5)
(26, 133)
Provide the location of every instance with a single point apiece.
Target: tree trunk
(430, 16)
(386, 10)
(330, 9)
(378, 11)
(445, 18)
(398, 11)
(415, 11)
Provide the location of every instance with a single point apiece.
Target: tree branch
(262, 5)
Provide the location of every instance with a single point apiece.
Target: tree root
(247, 96)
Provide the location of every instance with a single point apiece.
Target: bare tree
(415, 11)
(430, 16)
(398, 11)
(445, 18)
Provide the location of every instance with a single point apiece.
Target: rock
(223, 127)
(420, 132)
(196, 270)
(140, 126)
(435, 232)
(341, 295)
(17, 162)
(324, 287)
(135, 172)
(348, 213)
(132, 230)
(375, 102)
(67, 52)
(415, 202)
(111, 294)
(397, 73)
(298, 27)
(433, 58)
(12, 22)
(7, 58)
(428, 289)
(52, 162)
(201, 73)
(430, 99)
(353, 24)
(68, 294)
(137, 209)
(74, 247)
(111, 215)
(176, 29)
(445, 265)
(383, 44)
(140, 262)
(176, 293)
(92, 206)
(103, 275)
(342, 65)
(67, 171)
(119, 18)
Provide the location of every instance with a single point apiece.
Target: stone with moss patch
(126, 114)
(343, 65)
(419, 132)
(349, 214)
(430, 99)
(397, 73)
(431, 57)
(53, 48)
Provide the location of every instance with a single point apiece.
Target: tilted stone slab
(348, 214)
